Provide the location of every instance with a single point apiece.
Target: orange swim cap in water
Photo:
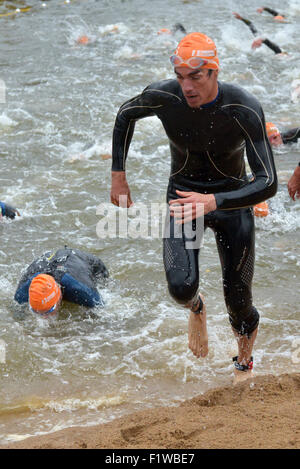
(279, 18)
(164, 31)
(272, 130)
(44, 293)
(196, 48)
(83, 40)
(261, 210)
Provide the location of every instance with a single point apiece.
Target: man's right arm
(134, 109)
(271, 11)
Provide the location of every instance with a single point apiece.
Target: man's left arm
(250, 119)
(79, 293)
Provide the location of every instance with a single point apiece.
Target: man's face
(197, 85)
(53, 312)
(275, 140)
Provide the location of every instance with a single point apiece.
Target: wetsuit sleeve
(272, 46)
(137, 108)
(269, 10)
(76, 292)
(250, 25)
(291, 136)
(260, 157)
(22, 292)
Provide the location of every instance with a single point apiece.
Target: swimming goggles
(192, 62)
(44, 313)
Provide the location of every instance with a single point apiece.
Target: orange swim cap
(44, 293)
(279, 18)
(261, 210)
(272, 130)
(197, 45)
(164, 31)
(83, 40)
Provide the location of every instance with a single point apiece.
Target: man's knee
(182, 289)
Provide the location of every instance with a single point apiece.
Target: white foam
(6, 121)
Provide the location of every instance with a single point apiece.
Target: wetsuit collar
(211, 103)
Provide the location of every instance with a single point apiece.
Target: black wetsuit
(207, 148)
(291, 136)
(272, 12)
(274, 47)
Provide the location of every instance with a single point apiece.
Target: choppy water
(61, 98)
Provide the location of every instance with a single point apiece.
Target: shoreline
(262, 412)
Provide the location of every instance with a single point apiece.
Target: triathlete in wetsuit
(209, 124)
(277, 16)
(67, 274)
(259, 41)
(278, 138)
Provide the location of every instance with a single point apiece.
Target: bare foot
(240, 376)
(198, 338)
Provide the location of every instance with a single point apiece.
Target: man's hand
(120, 192)
(191, 205)
(238, 17)
(294, 184)
(257, 43)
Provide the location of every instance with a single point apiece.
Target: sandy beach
(261, 413)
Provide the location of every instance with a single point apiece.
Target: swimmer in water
(259, 41)
(68, 274)
(209, 124)
(277, 138)
(176, 27)
(8, 211)
(277, 16)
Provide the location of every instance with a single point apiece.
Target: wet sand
(259, 413)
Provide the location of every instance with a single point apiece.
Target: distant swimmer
(277, 16)
(67, 274)
(8, 211)
(277, 138)
(209, 124)
(84, 40)
(175, 28)
(294, 184)
(259, 41)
